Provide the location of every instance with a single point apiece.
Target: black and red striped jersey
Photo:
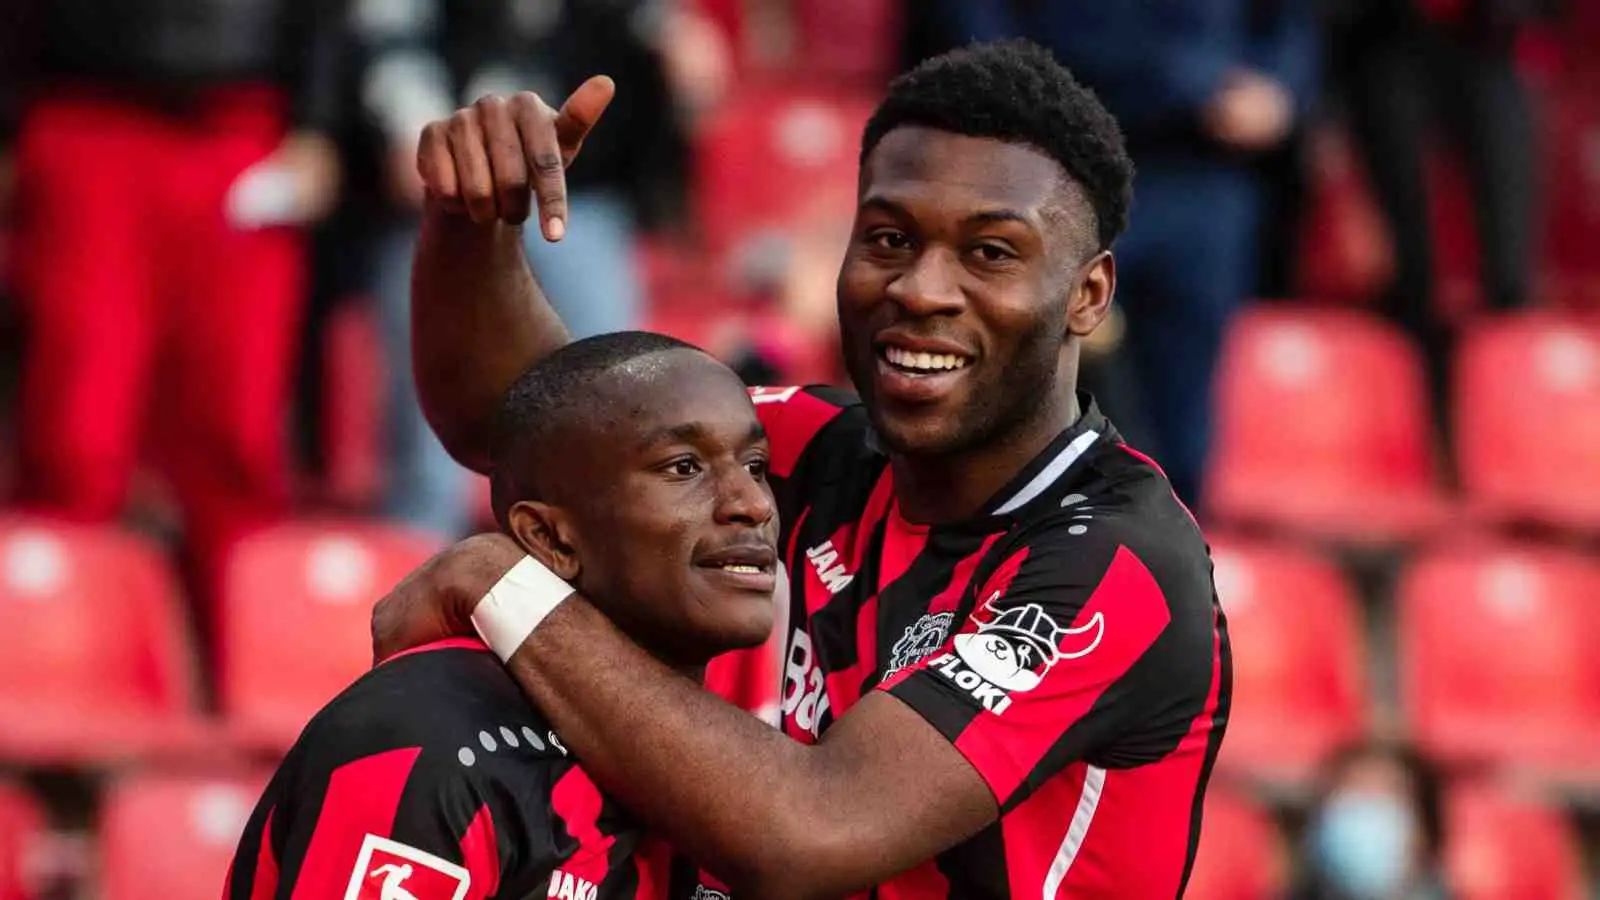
(1067, 641)
(433, 778)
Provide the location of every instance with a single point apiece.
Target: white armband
(516, 605)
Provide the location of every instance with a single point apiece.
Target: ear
(546, 532)
(1092, 293)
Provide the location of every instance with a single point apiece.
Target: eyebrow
(695, 432)
(984, 217)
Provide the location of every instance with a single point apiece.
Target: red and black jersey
(1067, 641)
(433, 778)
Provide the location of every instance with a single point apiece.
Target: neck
(934, 490)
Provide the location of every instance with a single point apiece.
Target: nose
(931, 286)
(742, 499)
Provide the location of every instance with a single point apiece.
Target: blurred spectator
(1201, 88)
(1377, 830)
(1405, 66)
(166, 154)
(428, 57)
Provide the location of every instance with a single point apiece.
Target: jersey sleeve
(1053, 662)
(397, 820)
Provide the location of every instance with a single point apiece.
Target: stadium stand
(1242, 854)
(95, 662)
(1529, 445)
(1496, 656)
(1299, 659)
(172, 836)
(1322, 428)
(296, 619)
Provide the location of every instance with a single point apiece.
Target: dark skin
(974, 248)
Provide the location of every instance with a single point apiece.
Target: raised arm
(478, 316)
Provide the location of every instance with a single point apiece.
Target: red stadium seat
(1528, 411)
(1503, 847)
(774, 158)
(354, 380)
(1497, 656)
(172, 837)
(1299, 662)
(296, 620)
(849, 39)
(22, 830)
(95, 663)
(1241, 856)
(1322, 426)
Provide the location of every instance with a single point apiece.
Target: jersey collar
(1056, 468)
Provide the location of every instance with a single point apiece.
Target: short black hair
(1015, 91)
(546, 400)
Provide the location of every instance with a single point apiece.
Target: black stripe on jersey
(977, 866)
(1213, 744)
(300, 801)
(832, 456)
(243, 879)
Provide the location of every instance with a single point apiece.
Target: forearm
(734, 794)
(478, 320)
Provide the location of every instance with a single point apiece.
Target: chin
(743, 623)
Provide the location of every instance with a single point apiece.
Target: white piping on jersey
(1057, 467)
(1094, 781)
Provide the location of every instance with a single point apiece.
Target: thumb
(579, 114)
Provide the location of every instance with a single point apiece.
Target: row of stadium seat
(170, 836)
(1494, 647)
(1324, 427)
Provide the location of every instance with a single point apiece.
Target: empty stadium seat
(774, 157)
(95, 661)
(1504, 847)
(1323, 427)
(1242, 855)
(172, 836)
(296, 619)
(1497, 656)
(22, 826)
(1528, 412)
(857, 40)
(1299, 662)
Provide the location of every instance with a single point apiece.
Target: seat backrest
(1242, 855)
(1527, 399)
(1299, 657)
(22, 828)
(297, 612)
(1330, 398)
(1496, 648)
(172, 837)
(92, 626)
(1505, 847)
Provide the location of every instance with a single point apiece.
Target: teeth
(742, 569)
(924, 362)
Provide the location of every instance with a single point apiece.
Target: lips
(914, 369)
(742, 559)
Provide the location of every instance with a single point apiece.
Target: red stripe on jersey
(362, 798)
(844, 686)
(653, 861)
(446, 644)
(266, 882)
(481, 854)
(878, 503)
(1000, 581)
(792, 418)
(578, 802)
(1034, 832)
(903, 542)
(1005, 746)
(949, 599)
(922, 883)
(1134, 819)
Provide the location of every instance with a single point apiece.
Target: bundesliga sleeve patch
(389, 870)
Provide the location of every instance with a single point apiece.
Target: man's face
(953, 296)
(675, 528)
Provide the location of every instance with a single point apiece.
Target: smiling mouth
(740, 569)
(916, 363)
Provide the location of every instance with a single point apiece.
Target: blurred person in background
(166, 154)
(1201, 87)
(1404, 66)
(1377, 829)
(428, 57)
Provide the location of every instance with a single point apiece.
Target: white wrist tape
(516, 605)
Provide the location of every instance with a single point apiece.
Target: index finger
(579, 114)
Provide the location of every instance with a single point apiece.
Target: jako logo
(825, 560)
(566, 886)
(1018, 646)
